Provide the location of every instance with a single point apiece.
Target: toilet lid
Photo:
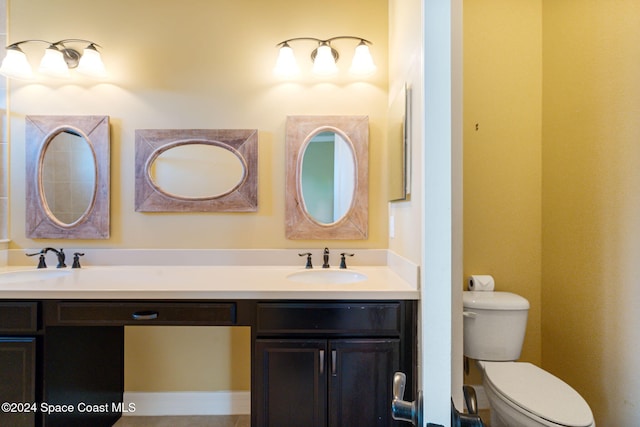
(493, 301)
(539, 392)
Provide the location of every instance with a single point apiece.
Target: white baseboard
(187, 403)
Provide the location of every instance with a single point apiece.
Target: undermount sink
(327, 276)
(31, 275)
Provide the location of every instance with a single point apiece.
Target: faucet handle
(41, 261)
(343, 261)
(76, 260)
(308, 255)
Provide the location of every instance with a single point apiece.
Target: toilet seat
(536, 391)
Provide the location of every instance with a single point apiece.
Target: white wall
(426, 51)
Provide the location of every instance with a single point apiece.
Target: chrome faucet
(59, 253)
(325, 258)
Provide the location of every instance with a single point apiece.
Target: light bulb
(15, 65)
(53, 64)
(91, 64)
(362, 63)
(286, 65)
(324, 63)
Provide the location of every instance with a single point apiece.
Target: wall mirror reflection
(399, 144)
(327, 177)
(67, 177)
(196, 170)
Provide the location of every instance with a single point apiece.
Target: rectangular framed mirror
(196, 170)
(327, 177)
(67, 177)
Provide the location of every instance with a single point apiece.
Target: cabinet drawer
(352, 318)
(18, 317)
(143, 313)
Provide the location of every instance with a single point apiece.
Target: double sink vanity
(325, 343)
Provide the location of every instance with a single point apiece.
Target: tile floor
(188, 421)
(214, 421)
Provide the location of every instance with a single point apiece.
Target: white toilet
(520, 394)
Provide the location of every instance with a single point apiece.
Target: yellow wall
(551, 182)
(502, 182)
(174, 358)
(591, 203)
(199, 64)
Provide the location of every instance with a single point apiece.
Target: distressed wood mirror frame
(150, 143)
(298, 223)
(40, 222)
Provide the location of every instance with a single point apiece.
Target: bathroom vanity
(315, 361)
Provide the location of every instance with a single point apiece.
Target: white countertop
(200, 282)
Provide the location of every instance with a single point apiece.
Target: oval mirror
(327, 177)
(197, 170)
(68, 176)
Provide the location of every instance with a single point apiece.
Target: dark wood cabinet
(360, 381)
(319, 383)
(17, 381)
(18, 369)
(19, 317)
(291, 383)
(314, 363)
(328, 364)
(118, 313)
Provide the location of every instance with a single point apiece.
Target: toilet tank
(494, 325)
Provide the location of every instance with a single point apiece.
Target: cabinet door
(290, 383)
(17, 378)
(360, 382)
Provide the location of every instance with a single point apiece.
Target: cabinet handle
(334, 363)
(145, 315)
(321, 362)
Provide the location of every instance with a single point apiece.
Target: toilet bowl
(520, 394)
(523, 395)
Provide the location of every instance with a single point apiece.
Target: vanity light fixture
(58, 59)
(324, 58)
